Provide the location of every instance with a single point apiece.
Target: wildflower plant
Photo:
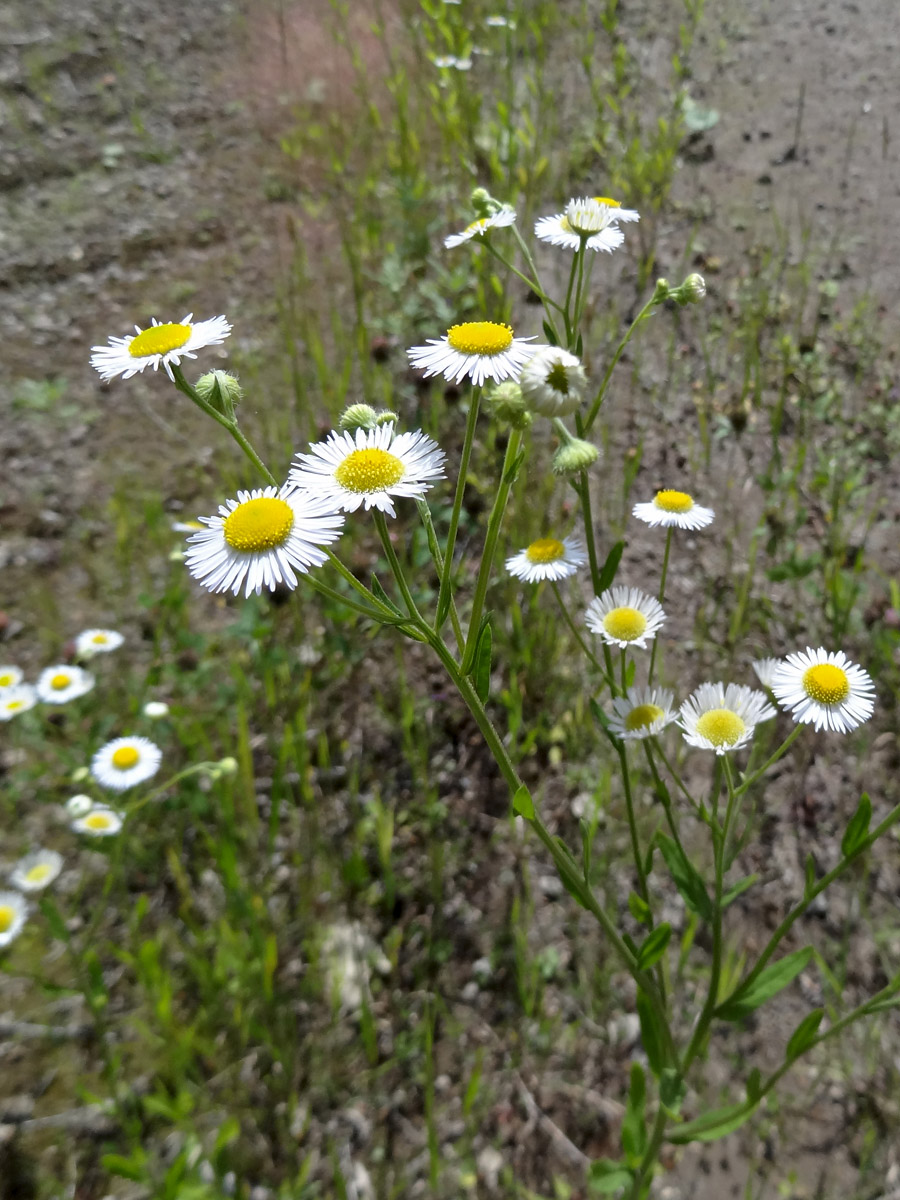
(369, 469)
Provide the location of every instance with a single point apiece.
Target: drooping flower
(36, 871)
(97, 641)
(720, 718)
(584, 222)
(824, 689)
(125, 762)
(642, 712)
(478, 349)
(547, 558)
(482, 225)
(60, 684)
(553, 382)
(165, 344)
(625, 616)
(673, 509)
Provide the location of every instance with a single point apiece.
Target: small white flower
(445, 62)
(9, 676)
(720, 718)
(625, 616)
(642, 712)
(13, 911)
(16, 699)
(676, 509)
(480, 349)
(367, 468)
(765, 669)
(262, 539)
(99, 822)
(824, 689)
(553, 382)
(584, 222)
(125, 762)
(60, 684)
(77, 806)
(499, 220)
(165, 344)
(97, 641)
(36, 871)
(156, 709)
(547, 558)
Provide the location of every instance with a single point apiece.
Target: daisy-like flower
(676, 509)
(368, 468)
(125, 762)
(625, 616)
(16, 699)
(499, 220)
(445, 62)
(60, 684)
(77, 806)
(9, 676)
(13, 911)
(547, 558)
(99, 822)
(97, 641)
(36, 871)
(720, 718)
(480, 349)
(617, 212)
(553, 382)
(642, 712)
(262, 539)
(165, 344)
(824, 689)
(584, 221)
(765, 669)
(155, 710)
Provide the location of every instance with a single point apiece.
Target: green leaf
(611, 566)
(639, 909)
(738, 889)
(672, 1090)
(687, 878)
(380, 594)
(773, 979)
(858, 829)
(654, 946)
(652, 1033)
(523, 804)
(883, 1005)
(634, 1129)
(754, 1086)
(804, 1035)
(125, 1168)
(54, 919)
(585, 831)
(512, 470)
(810, 875)
(481, 669)
(715, 1124)
(606, 1176)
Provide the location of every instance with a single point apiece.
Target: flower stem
(231, 425)
(598, 400)
(444, 594)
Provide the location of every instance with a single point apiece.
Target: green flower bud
(509, 406)
(574, 456)
(220, 390)
(386, 417)
(357, 416)
(662, 291)
(693, 289)
(484, 203)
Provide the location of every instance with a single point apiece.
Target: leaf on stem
(652, 1033)
(611, 566)
(634, 1129)
(607, 1176)
(639, 909)
(481, 667)
(804, 1035)
(654, 946)
(380, 594)
(715, 1124)
(738, 889)
(686, 877)
(858, 829)
(773, 979)
(523, 804)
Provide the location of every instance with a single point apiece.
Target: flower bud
(358, 416)
(220, 390)
(508, 405)
(662, 291)
(574, 456)
(386, 417)
(77, 806)
(692, 290)
(80, 773)
(156, 709)
(484, 203)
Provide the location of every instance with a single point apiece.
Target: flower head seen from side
(584, 222)
(60, 684)
(97, 641)
(262, 539)
(764, 669)
(125, 762)
(36, 871)
(9, 676)
(99, 822)
(478, 349)
(368, 469)
(160, 344)
(15, 700)
(625, 616)
(616, 211)
(642, 712)
(483, 225)
(547, 558)
(824, 689)
(673, 510)
(78, 805)
(553, 382)
(13, 911)
(720, 718)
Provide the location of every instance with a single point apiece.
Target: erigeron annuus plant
(288, 531)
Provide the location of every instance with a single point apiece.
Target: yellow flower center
(674, 502)
(259, 524)
(38, 873)
(826, 683)
(609, 203)
(480, 337)
(642, 716)
(97, 821)
(14, 705)
(6, 679)
(60, 682)
(545, 550)
(370, 470)
(625, 624)
(7, 916)
(159, 339)
(721, 726)
(477, 226)
(125, 758)
(99, 639)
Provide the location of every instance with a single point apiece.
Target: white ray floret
(163, 345)
(553, 382)
(642, 712)
(584, 222)
(10, 676)
(97, 641)
(824, 689)
(13, 912)
(720, 718)
(16, 699)
(99, 822)
(673, 510)
(478, 349)
(547, 558)
(765, 668)
(478, 228)
(625, 616)
(125, 762)
(616, 211)
(60, 684)
(36, 871)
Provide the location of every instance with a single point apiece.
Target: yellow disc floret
(159, 339)
(7, 916)
(674, 502)
(97, 821)
(480, 337)
(545, 550)
(826, 683)
(721, 726)
(477, 226)
(259, 524)
(625, 624)
(609, 203)
(642, 716)
(7, 680)
(370, 470)
(100, 639)
(60, 682)
(125, 758)
(38, 873)
(14, 705)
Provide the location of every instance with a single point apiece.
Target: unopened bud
(509, 406)
(386, 417)
(574, 456)
(220, 390)
(357, 416)
(692, 290)
(484, 203)
(156, 709)
(79, 774)
(662, 291)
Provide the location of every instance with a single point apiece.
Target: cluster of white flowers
(57, 684)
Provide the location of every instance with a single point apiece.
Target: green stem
(567, 313)
(663, 792)
(662, 595)
(779, 753)
(576, 633)
(444, 595)
(644, 1172)
(598, 401)
(347, 575)
(632, 823)
(438, 560)
(532, 284)
(231, 425)
(397, 569)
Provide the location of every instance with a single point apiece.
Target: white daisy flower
(125, 762)
(36, 871)
(824, 689)
(77, 806)
(553, 382)
(675, 509)
(765, 669)
(584, 221)
(617, 212)
(168, 344)
(155, 710)
(625, 616)
(10, 676)
(13, 911)
(445, 62)
(499, 220)
(368, 468)
(97, 641)
(720, 718)
(642, 712)
(60, 684)
(547, 558)
(16, 699)
(99, 822)
(262, 539)
(480, 349)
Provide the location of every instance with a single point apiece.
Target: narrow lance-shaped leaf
(773, 979)
(858, 829)
(687, 878)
